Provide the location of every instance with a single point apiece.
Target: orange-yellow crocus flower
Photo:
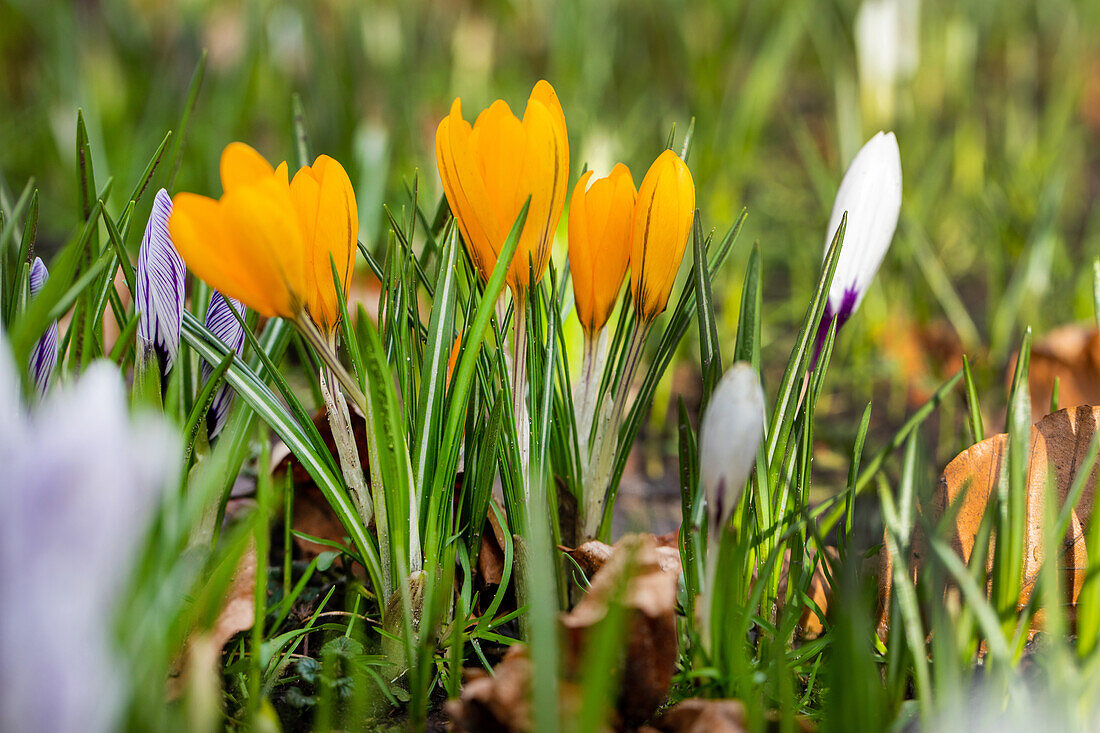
(269, 241)
(663, 216)
(491, 168)
(601, 213)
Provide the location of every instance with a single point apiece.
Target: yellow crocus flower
(663, 216)
(269, 241)
(489, 170)
(600, 218)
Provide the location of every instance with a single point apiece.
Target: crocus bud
(663, 215)
(44, 355)
(729, 436)
(160, 282)
(601, 214)
(223, 324)
(871, 195)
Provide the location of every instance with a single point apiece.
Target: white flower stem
(597, 473)
(339, 420)
(519, 393)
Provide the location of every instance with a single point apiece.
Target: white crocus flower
(871, 196)
(729, 436)
(79, 484)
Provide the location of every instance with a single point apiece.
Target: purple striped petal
(44, 355)
(223, 324)
(160, 282)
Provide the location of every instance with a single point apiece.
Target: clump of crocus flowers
(491, 169)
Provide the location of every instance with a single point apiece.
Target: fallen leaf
(924, 354)
(696, 715)
(651, 648)
(200, 664)
(1058, 441)
(1070, 354)
(501, 701)
(592, 555)
(490, 559)
(820, 590)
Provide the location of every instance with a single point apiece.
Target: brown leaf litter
(1058, 441)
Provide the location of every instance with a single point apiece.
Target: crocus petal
(871, 195)
(729, 435)
(663, 216)
(241, 165)
(200, 235)
(600, 219)
(43, 357)
(223, 324)
(327, 211)
(464, 184)
(490, 170)
(159, 279)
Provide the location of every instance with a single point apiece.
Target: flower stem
(597, 472)
(519, 392)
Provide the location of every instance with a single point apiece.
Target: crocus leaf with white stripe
(159, 282)
(223, 324)
(44, 355)
(871, 195)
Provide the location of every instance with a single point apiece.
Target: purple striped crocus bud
(159, 297)
(44, 355)
(870, 193)
(223, 324)
(728, 438)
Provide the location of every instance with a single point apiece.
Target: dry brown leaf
(591, 556)
(200, 662)
(490, 559)
(809, 625)
(502, 701)
(696, 715)
(924, 353)
(1070, 354)
(1058, 441)
(651, 639)
(312, 513)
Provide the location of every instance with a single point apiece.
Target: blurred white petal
(81, 479)
(729, 436)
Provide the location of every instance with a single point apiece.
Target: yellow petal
(465, 189)
(600, 219)
(241, 165)
(662, 221)
(198, 233)
(335, 231)
(262, 224)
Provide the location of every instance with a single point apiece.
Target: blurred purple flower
(44, 355)
(222, 323)
(160, 282)
(79, 485)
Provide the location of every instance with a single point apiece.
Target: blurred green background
(996, 106)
